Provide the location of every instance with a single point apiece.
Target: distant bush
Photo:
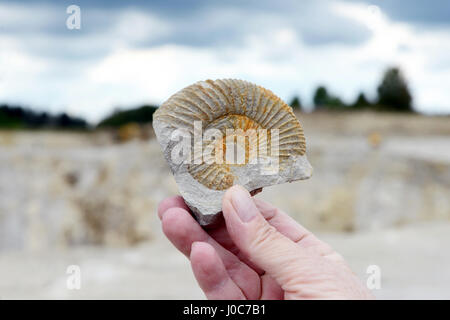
(140, 115)
(320, 97)
(9, 121)
(361, 102)
(17, 117)
(295, 103)
(326, 101)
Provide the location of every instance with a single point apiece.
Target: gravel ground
(414, 264)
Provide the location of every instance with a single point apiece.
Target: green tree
(141, 115)
(361, 101)
(335, 103)
(320, 97)
(324, 100)
(295, 103)
(393, 91)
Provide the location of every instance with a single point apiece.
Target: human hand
(259, 252)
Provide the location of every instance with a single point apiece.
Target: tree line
(18, 117)
(393, 94)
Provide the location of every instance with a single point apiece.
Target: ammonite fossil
(217, 133)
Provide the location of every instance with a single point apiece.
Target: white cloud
(135, 26)
(415, 52)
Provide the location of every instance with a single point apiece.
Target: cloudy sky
(132, 52)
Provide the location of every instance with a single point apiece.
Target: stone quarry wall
(370, 171)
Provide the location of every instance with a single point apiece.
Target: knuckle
(265, 237)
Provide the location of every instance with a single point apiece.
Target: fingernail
(243, 203)
(194, 244)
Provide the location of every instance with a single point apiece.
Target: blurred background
(81, 174)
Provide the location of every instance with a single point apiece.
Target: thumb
(262, 244)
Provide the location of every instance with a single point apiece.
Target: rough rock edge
(206, 204)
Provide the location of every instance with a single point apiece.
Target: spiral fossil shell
(245, 110)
